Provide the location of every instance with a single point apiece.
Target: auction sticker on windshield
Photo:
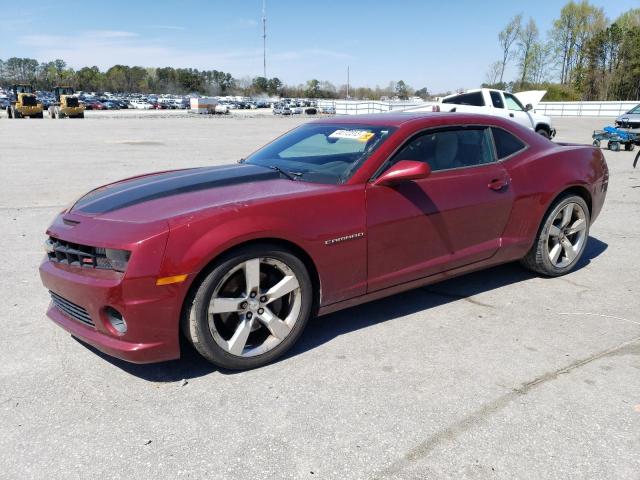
(360, 135)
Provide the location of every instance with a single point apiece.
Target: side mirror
(528, 107)
(403, 171)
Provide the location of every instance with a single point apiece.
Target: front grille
(72, 102)
(72, 310)
(77, 255)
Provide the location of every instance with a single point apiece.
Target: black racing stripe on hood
(128, 193)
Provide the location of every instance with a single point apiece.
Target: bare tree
(493, 74)
(507, 37)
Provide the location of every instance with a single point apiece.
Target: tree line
(585, 56)
(123, 78)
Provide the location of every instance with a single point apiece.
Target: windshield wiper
(290, 175)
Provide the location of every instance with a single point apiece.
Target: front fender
(195, 242)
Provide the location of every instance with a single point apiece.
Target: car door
(454, 217)
(517, 111)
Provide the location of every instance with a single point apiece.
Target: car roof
(403, 118)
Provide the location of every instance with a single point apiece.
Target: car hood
(165, 195)
(531, 96)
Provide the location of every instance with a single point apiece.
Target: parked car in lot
(631, 119)
(140, 104)
(94, 105)
(335, 213)
(111, 105)
(280, 109)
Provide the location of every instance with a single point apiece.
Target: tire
(39, 115)
(16, 114)
(629, 147)
(239, 339)
(52, 113)
(614, 146)
(81, 115)
(544, 133)
(9, 113)
(550, 254)
(596, 143)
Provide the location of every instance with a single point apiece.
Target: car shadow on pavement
(324, 329)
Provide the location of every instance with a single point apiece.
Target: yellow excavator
(67, 104)
(25, 103)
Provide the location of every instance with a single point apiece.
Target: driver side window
(451, 148)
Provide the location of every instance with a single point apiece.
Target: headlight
(111, 258)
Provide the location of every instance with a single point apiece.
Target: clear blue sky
(442, 45)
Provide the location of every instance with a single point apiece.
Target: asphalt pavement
(497, 374)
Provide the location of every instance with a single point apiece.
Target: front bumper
(151, 312)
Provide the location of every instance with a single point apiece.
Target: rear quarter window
(475, 99)
(506, 143)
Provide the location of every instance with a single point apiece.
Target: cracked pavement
(497, 374)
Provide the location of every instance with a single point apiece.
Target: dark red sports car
(332, 214)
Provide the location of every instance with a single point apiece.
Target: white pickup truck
(518, 107)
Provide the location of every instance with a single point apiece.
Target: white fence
(584, 109)
(360, 107)
(553, 109)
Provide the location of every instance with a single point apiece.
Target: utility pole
(264, 38)
(347, 82)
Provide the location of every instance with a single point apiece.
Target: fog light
(116, 320)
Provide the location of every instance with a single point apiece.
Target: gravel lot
(497, 374)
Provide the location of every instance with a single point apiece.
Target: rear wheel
(613, 146)
(629, 147)
(561, 239)
(596, 143)
(250, 308)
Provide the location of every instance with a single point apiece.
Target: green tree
(527, 38)
(312, 89)
(422, 93)
(507, 37)
(274, 86)
(402, 90)
(260, 84)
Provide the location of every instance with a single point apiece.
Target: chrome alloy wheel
(567, 235)
(254, 306)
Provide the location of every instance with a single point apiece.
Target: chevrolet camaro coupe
(332, 214)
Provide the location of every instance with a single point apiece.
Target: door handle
(511, 115)
(498, 184)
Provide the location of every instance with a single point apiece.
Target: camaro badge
(344, 239)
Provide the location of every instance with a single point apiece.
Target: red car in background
(94, 105)
(332, 214)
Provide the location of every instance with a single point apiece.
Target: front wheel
(613, 146)
(544, 133)
(561, 239)
(596, 143)
(250, 308)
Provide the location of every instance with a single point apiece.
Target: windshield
(322, 153)
(635, 109)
